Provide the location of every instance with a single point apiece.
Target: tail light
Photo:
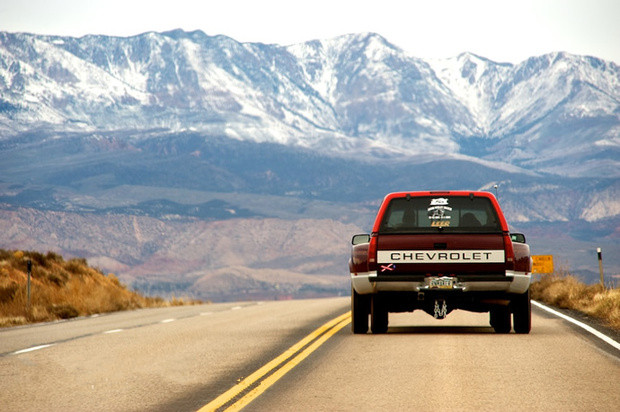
(372, 254)
(510, 253)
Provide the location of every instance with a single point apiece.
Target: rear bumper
(510, 282)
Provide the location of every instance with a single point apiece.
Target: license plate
(441, 283)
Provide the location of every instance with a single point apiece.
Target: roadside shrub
(64, 311)
(567, 292)
(112, 277)
(8, 290)
(59, 277)
(77, 266)
(5, 254)
(53, 257)
(38, 259)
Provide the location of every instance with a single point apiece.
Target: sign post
(29, 263)
(600, 264)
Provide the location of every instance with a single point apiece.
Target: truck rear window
(446, 213)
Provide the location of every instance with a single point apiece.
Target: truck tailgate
(461, 255)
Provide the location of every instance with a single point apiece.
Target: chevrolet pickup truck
(437, 252)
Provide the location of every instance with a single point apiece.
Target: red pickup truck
(440, 251)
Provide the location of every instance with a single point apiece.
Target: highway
(186, 358)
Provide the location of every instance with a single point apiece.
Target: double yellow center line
(269, 374)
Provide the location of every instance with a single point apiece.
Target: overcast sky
(503, 31)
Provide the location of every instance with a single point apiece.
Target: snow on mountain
(559, 81)
(505, 97)
(553, 113)
(348, 96)
(475, 81)
(381, 94)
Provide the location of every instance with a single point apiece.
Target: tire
(378, 315)
(360, 309)
(500, 320)
(522, 313)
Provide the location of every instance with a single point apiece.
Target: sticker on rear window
(438, 212)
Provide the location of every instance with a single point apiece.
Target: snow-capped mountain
(545, 113)
(353, 94)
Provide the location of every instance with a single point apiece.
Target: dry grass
(566, 291)
(62, 289)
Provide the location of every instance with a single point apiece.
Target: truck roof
(441, 192)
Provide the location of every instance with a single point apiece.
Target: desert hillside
(61, 289)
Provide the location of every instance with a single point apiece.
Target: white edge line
(112, 331)
(167, 320)
(31, 349)
(582, 325)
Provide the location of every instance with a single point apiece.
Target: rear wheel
(522, 313)
(360, 309)
(500, 320)
(378, 315)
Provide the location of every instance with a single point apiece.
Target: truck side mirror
(517, 237)
(359, 239)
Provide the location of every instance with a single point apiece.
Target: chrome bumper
(512, 282)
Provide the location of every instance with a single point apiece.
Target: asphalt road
(182, 358)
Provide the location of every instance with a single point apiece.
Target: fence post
(600, 264)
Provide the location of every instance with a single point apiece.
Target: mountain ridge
(355, 92)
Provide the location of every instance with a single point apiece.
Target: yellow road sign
(542, 264)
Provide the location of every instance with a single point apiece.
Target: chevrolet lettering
(438, 252)
(433, 256)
